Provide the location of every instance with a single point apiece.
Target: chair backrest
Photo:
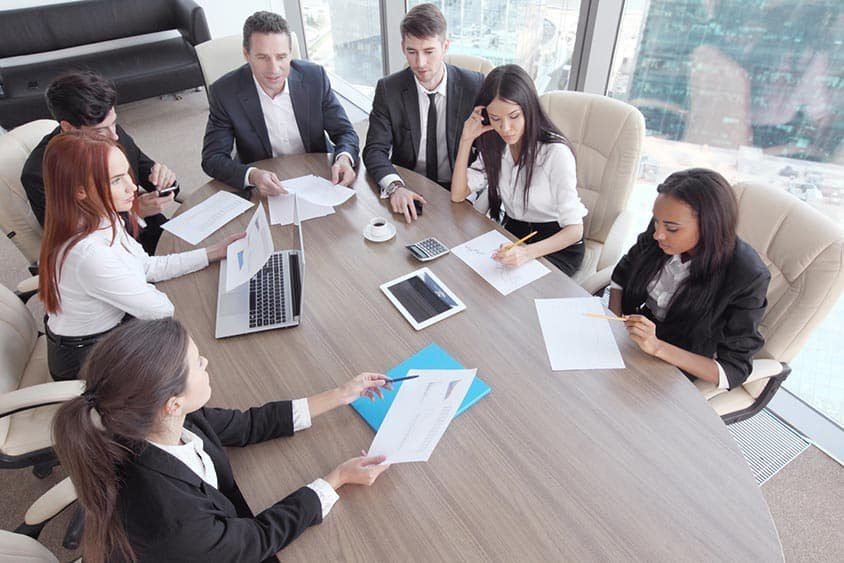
(18, 547)
(15, 213)
(18, 335)
(224, 54)
(804, 250)
(469, 62)
(607, 137)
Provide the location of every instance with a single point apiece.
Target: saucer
(367, 234)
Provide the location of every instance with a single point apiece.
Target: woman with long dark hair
(93, 274)
(692, 290)
(527, 166)
(147, 461)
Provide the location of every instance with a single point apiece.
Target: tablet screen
(422, 297)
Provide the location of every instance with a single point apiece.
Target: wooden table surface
(577, 465)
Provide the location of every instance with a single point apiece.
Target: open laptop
(271, 299)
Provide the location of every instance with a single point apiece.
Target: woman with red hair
(94, 275)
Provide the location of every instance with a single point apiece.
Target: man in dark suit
(273, 106)
(85, 101)
(422, 135)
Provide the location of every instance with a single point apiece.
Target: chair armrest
(621, 237)
(2, 87)
(763, 369)
(26, 289)
(191, 20)
(48, 505)
(39, 396)
(596, 283)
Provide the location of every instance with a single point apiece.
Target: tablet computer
(422, 298)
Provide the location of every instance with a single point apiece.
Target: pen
(518, 242)
(401, 378)
(608, 317)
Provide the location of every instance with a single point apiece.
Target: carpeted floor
(806, 497)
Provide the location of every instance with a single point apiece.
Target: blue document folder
(430, 357)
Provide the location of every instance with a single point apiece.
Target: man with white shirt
(405, 128)
(273, 106)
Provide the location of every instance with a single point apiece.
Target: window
(536, 34)
(754, 90)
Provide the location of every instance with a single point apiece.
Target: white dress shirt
(443, 166)
(553, 190)
(103, 279)
(661, 290)
(192, 453)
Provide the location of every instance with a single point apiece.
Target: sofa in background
(139, 70)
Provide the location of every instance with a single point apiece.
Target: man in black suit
(85, 101)
(273, 106)
(403, 119)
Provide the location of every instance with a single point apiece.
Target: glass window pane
(535, 34)
(753, 89)
(344, 36)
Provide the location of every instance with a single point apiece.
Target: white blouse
(101, 280)
(553, 190)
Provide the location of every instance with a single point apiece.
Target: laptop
(271, 299)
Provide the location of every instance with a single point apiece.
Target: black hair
(263, 22)
(80, 98)
(424, 21)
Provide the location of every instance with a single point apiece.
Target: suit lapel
(453, 101)
(158, 460)
(410, 100)
(248, 95)
(300, 100)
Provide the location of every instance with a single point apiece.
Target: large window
(536, 34)
(753, 89)
(345, 37)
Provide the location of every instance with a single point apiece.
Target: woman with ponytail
(693, 292)
(146, 456)
(93, 273)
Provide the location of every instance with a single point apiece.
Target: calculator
(427, 249)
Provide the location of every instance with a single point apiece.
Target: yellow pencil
(518, 242)
(608, 317)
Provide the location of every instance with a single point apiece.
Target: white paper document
(575, 341)
(200, 221)
(281, 209)
(246, 256)
(477, 254)
(420, 414)
(317, 190)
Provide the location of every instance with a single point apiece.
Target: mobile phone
(167, 191)
(485, 116)
(418, 205)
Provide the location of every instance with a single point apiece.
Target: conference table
(571, 465)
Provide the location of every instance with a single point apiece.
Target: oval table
(580, 465)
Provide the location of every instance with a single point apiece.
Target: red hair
(77, 190)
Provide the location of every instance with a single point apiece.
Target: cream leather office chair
(219, 56)
(469, 62)
(16, 219)
(28, 396)
(607, 137)
(804, 250)
(22, 544)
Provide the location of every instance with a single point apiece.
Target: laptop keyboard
(266, 294)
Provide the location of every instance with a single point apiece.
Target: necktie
(431, 159)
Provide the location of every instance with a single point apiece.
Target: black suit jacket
(394, 123)
(729, 331)
(32, 177)
(235, 119)
(170, 514)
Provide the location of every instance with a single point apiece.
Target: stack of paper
(316, 197)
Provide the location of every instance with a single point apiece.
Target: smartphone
(485, 116)
(167, 191)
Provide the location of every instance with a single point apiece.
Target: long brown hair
(74, 160)
(130, 374)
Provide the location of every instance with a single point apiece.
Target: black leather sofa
(138, 71)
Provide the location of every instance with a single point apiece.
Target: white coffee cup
(379, 227)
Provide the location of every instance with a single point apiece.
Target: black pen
(402, 378)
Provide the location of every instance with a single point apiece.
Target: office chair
(804, 250)
(469, 62)
(16, 218)
(22, 544)
(219, 56)
(606, 135)
(28, 396)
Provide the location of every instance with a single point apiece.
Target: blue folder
(430, 357)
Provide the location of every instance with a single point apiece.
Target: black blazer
(170, 514)
(236, 119)
(32, 177)
(394, 124)
(729, 331)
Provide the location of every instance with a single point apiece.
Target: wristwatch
(391, 189)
